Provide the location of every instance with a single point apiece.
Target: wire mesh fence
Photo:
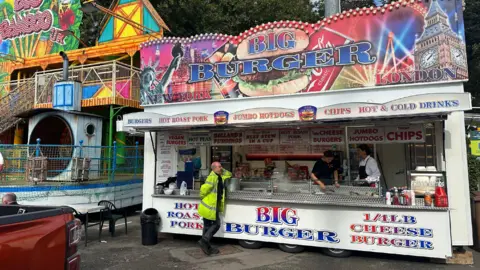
(106, 164)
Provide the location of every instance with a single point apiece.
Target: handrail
(106, 64)
(23, 95)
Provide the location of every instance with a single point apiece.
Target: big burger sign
(345, 51)
(280, 61)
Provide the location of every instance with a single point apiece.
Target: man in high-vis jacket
(212, 194)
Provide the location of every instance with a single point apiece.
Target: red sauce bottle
(396, 199)
(441, 199)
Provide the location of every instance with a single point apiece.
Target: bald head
(9, 198)
(216, 167)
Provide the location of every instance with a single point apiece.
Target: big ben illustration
(439, 46)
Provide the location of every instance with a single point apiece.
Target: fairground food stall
(269, 102)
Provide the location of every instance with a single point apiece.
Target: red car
(37, 237)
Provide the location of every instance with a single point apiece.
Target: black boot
(214, 250)
(204, 246)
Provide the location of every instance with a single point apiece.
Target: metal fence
(107, 164)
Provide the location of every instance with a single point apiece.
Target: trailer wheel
(338, 253)
(291, 248)
(250, 244)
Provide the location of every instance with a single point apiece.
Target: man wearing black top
(9, 199)
(323, 170)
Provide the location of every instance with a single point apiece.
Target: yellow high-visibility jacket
(208, 193)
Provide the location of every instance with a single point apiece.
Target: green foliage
(473, 172)
(88, 23)
(471, 16)
(191, 17)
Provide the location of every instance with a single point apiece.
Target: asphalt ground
(125, 251)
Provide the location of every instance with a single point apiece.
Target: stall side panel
(457, 179)
(394, 231)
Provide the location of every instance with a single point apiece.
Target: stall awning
(429, 106)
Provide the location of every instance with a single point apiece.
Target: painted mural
(139, 12)
(33, 28)
(122, 89)
(402, 42)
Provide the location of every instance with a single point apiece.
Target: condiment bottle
(395, 197)
(406, 195)
(388, 198)
(428, 199)
(412, 197)
(441, 199)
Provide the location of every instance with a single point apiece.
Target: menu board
(360, 135)
(199, 139)
(404, 134)
(162, 138)
(227, 138)
(176, 139)
(165, 163)
(327, 136)
(322, 136)
(295, 136)
(261, 137)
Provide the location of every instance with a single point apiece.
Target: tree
(90, 27)
(191, 17)
(472, 34)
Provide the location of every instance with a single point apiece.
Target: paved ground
(126, 252)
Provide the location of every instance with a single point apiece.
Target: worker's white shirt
(371, 168)
(1, 159)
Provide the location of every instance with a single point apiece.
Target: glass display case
(425, 181)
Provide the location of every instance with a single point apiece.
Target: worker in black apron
(324, 173)
(368, 167)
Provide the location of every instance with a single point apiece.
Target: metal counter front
(332, 200)
(308, 199)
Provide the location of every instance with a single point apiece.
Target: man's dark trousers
(210, 228)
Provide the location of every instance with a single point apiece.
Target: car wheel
(291, 248)
(338, 253)
(250, 244)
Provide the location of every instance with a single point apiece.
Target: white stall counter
(406, 230)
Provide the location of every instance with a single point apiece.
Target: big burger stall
(268, 103)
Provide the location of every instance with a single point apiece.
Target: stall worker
(212, 193)
(368, 167)
(323, 170)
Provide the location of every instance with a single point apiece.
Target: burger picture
(220, 118)
(307, 113)
(275, 82)
(283, 59)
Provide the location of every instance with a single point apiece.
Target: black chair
(81, 217)
(84, 220)
(112, 215)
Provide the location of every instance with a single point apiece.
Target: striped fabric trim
(207, 206)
